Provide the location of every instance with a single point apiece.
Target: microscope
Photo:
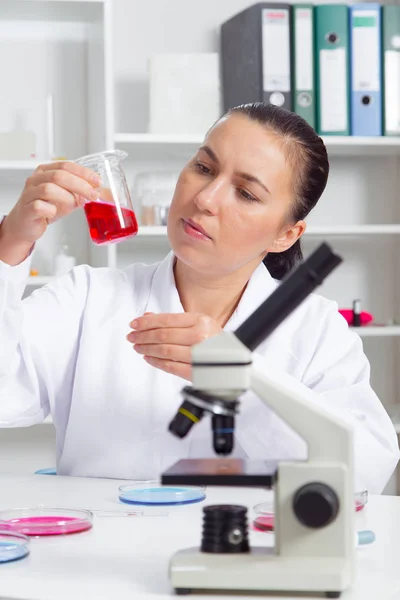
(314, 547)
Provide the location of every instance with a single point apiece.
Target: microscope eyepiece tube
(295, 287)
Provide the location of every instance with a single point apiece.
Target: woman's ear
(288, 237)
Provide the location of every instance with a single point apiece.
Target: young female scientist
(107, 351)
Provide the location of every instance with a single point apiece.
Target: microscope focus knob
(316, 505)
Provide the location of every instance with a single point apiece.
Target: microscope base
(258, 570)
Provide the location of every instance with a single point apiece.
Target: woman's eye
(246, 196)
(202, 168)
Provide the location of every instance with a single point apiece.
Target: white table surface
(127, 557)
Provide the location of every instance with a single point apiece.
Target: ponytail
(280, 263)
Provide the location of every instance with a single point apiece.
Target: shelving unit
(64, 48)
(101, 102)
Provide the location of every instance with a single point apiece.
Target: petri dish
(151, 493)
(361, 499)
(49, 471)
(44, 521)
(13, 546)
(264, 520)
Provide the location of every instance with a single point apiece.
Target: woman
(107, 351)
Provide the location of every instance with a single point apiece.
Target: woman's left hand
(165, 340)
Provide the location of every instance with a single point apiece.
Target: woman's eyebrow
(210, 153)
(247, 176)
(252, 179)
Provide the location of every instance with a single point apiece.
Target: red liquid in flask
(107, 224)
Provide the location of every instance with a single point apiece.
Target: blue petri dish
(159, 495)
(49, 471)
(13, 546)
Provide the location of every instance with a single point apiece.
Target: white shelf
(51, 10)
(38, 280)
(145, 231)
(19, 165)
(155, 139)
(180, 144)
(377, 331)
(310, 231)
(149, 147)
(363, 146)
(353, 230)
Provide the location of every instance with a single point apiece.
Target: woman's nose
(210, 197)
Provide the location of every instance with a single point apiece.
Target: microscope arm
(327, 437)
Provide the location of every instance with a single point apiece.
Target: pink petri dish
(43, 521)
(361, 499)
(265, 516)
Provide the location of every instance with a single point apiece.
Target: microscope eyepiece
(187, 415)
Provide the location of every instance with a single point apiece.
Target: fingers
(185, 336)
(42, 210)
(64, 202)
(47, 182)
(182, 370)
(165, 351)
(71, 167)
(169, 320)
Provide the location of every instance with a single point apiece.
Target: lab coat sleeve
(338, 374)
(38, 342)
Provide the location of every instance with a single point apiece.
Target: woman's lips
(194, 230)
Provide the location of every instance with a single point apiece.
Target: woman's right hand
(53, 191)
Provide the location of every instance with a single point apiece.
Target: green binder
(332, 69)
(391, 69)
(303, 62)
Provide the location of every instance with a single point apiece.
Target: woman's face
(232, 200)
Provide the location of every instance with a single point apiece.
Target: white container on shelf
(184, 92)
(153, 192)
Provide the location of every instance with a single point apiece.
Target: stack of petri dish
(44, 521)
(13, 546)
(265, 516)
(151, 493)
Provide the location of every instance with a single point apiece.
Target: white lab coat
(64, 351)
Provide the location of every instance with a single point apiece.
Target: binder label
(333, 84)
(366, 54)
(304, 50)
(275, 50)
(392, 91)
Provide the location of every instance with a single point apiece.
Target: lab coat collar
(164, 297)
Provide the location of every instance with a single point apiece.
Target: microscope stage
(222, 471)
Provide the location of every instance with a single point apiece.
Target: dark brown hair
(307, 154)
